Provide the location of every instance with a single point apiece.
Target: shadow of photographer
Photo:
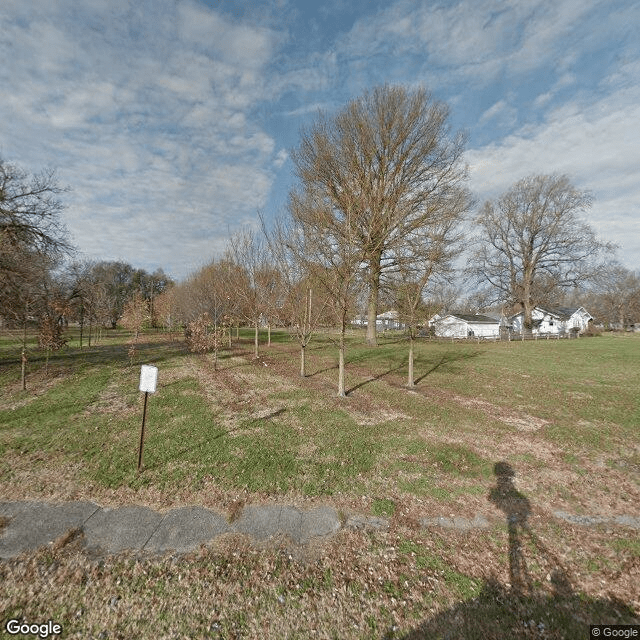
(525, 607)
(517, 509)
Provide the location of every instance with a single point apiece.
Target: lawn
(563, 415)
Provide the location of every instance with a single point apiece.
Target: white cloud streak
(144, 110)
(597, 145)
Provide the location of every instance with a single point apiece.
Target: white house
(386, 320)
(458, 325)
(559, 320)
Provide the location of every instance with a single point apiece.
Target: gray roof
(475, 318)
(562, 313)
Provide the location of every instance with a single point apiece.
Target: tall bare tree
(32, 236)
(389, 161)
(533, 242)
(256, 278)
(615, 296)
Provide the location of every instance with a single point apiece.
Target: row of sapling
(380, 196)
(208, 306)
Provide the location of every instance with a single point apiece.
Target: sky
(173, 121)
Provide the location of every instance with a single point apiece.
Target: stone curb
(34, 524)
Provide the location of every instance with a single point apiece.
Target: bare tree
(427, 260)
(327, 246)
(167, 309)
(135, 314)
(303, 309)
(255, 278)
(615, 296)
(32, 236)
(533, 242)
(389, 161)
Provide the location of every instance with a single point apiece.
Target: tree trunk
(23, 374)
(269, 335)
(303, 372)
(527, 318)
(215, 347)
(255, 341)
(372, 311)
(410, 382)
(341, 391)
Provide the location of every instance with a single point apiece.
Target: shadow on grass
(191, 448)
(319, 371)
(374, 378)
(524, 609)
(103, 354)
(498, 613)
(447, 359)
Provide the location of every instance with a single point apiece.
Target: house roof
(562, 313)
(477, 319)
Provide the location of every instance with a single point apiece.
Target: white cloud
(501, 112)
(480, 41)
(597, 145)
(147, 117)
(248, 46)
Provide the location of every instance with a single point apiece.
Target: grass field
(564, 415)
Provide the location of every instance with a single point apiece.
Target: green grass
(256, 431)
(315, 444)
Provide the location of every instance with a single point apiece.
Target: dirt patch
(520, 420)
(377, 417)
(111, 400)
(37, 385)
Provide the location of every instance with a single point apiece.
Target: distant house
(462, 325)
(556, 320)
(387, 320)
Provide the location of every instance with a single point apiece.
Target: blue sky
(172, 120)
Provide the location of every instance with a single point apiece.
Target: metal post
(144, 417)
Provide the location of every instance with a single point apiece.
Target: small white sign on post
(148, 378)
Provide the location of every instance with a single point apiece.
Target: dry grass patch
(400, 583)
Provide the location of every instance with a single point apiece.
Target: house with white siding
(387, 320)
(462, 325)
(556, 320)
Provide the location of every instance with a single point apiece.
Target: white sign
(148, 378)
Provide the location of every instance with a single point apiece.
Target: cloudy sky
(172, 120)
